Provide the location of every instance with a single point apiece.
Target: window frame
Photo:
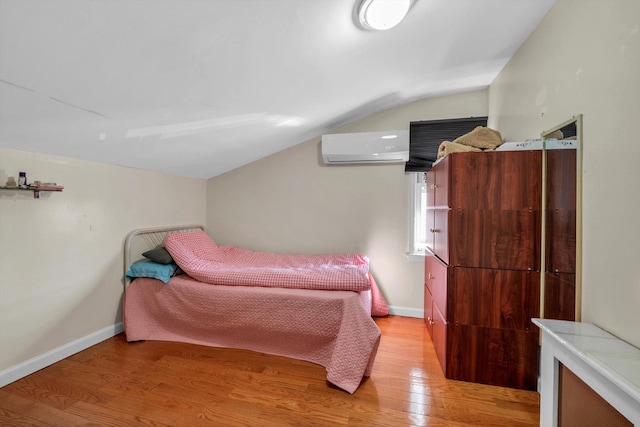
(424, 139)
(417, 215)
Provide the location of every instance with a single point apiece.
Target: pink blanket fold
(204, 260)
(330, 328)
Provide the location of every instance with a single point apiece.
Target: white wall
(61, 255)
(585, 58)
(292, 202)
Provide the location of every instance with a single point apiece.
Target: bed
(332, 328)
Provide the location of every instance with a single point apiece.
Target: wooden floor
(116, 383)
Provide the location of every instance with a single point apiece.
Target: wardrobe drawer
(439, 337)
(428, 311)
(502, 357)
(501, 299)
(561, 241)
(491, 239)
(441, 172)
(430, 182)
(430, 225)
(435, 278)
(440, 232)
(502, 180)
(559, 296)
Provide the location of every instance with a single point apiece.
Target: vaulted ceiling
(200, 87)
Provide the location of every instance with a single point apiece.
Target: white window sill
(415, 256)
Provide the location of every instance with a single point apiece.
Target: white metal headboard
(143, 239)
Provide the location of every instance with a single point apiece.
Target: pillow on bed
(154, 270)
(159, 254)
(187, 248)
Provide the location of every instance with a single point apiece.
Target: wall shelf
(36, 190)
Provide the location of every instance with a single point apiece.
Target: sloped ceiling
(200, 87)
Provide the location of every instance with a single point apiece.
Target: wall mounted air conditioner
(366, 147)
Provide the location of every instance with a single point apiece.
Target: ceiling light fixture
(381, 14)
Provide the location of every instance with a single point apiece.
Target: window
(418, 221)
(424, 139)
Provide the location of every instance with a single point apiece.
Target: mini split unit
(366, 147)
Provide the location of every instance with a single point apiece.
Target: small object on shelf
(11, 182)
(50, 186)
(38, 186)
(22, 180)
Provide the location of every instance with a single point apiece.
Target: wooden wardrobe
(482, 268)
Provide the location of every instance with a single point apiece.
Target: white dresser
(608, 365)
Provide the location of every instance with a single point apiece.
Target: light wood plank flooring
(116, 383)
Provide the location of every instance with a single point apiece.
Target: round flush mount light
(381, 14)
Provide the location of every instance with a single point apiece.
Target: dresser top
(612, 357)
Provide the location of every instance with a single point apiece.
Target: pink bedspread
(330, 328)
(203, 259)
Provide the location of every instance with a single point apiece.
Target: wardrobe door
(560, 235)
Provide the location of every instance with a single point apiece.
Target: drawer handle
(434, 186)
(434, 230)
(431, 276)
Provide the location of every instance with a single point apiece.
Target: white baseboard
(404, 311)
(34, 364)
